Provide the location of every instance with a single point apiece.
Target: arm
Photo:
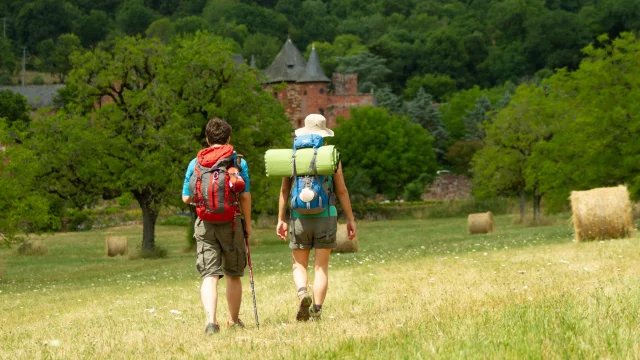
(245, 197)
(245, 208)
(345, 201)
(282, 227)
(186, 196)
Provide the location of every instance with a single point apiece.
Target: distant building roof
(38, 96)
(287, 66)
(238, 58)
(313, 71)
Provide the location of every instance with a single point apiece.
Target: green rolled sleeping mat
(278, 162)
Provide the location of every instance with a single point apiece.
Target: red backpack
(214, 199)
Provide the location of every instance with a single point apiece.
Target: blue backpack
(310, 194)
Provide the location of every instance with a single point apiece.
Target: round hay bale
(117, 245)
(344, 244)
(481, 223)
(32, 247)
(602, 213)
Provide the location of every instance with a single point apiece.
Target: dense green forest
(442, 45)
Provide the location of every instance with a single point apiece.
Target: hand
(281, 230)
(351, 229)
(247, 229)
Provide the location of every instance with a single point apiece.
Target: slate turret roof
(287, 66)
(313, 71)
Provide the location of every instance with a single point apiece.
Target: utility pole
(4, 27)
(24, 63)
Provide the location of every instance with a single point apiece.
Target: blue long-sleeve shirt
(244, 173)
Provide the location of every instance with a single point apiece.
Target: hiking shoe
(235, 325)
(303, 309)
(212, 328)
(315, 315)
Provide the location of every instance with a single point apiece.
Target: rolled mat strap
(278, 162)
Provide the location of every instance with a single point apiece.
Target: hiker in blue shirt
(212, 185)
(314, 231)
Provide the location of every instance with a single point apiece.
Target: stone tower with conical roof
(303, 88)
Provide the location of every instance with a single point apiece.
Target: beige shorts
(216, 252)
(314, 233)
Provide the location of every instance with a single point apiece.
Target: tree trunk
(149, 228)
(149, 217)
(537, 198)
(523, 199)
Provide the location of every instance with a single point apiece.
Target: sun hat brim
(315, 130)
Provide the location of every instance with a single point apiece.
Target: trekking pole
(253, 290)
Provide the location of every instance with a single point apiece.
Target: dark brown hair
(218, 131)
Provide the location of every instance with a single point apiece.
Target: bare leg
(321, 278)
(300, 262)
(234, 297)
(209, 296)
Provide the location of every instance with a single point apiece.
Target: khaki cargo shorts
(218, 254)
(314, 233)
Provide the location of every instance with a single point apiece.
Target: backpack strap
(236, 199)
(293, 184)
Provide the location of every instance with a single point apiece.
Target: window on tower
(275, 94)
(321, 91)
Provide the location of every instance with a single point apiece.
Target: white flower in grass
(150, 310)
(175, 312)
(54, 343)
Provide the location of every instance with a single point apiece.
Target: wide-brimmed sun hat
(315, 124)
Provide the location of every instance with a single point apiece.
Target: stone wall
(449, 187)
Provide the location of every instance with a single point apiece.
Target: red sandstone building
(308, 90)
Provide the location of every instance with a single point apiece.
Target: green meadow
(417, 289)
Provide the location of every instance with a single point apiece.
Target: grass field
(418, 289)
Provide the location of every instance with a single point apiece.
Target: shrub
(158, 253)
(414, 191)
(37, 80)
(78, 220)
(124, 201)
(177, 220)
(5, 79)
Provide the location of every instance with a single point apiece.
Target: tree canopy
(137, 118)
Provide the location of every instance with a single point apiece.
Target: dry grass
(32, 247)
(416, 289)
(30, 75)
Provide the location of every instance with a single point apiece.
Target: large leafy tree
(23, 210)
(134, 17)
(94, 27)
(144, 106)
(14, 109)
(55, 55)
(595, 139)
(370, 68)
(501, 167)
(44, 19)
(422, 111)
(7, 60)
(388, 149)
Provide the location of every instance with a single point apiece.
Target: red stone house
(308, 90)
